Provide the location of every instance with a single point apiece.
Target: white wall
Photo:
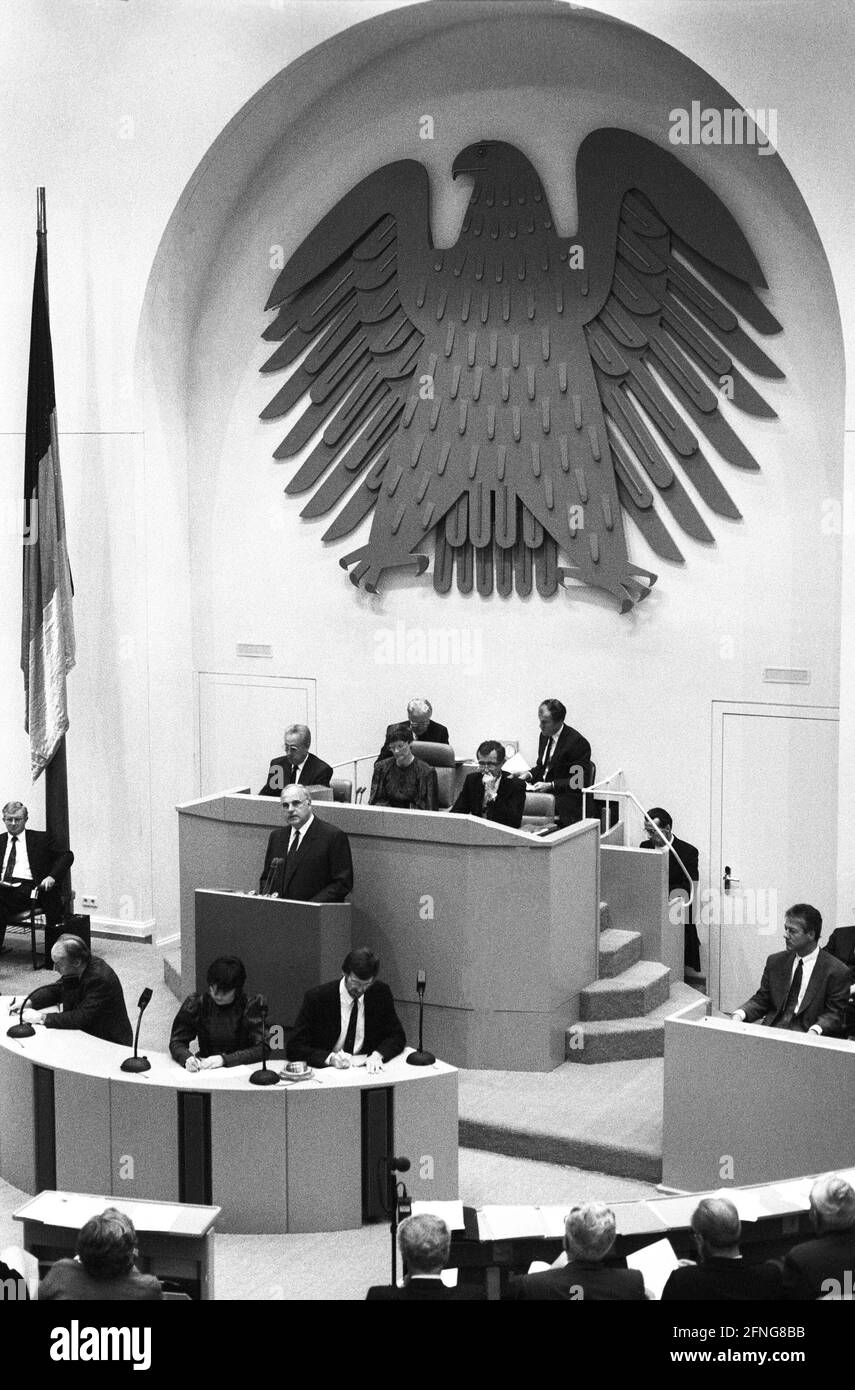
(180, 563)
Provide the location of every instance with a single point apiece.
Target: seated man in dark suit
(89, 991)
(589, 1234)
(298, 765)
(490, 792)
(350, 1022)
(820, 1267)
(419, 718)
(841, 944)
(31, 867)
(424, 1242)
(657, 818)
(803, 988)
(307, 860)
(563, 762)
(721, 1273)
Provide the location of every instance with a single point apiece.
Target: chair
(34, 919)
(342, 789)
(539, 811)
(441, 757)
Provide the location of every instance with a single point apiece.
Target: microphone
(421, 1058)
(135, 1063)
(22, 1029)
(275, 866)
(398, 1165)
(264, 1076)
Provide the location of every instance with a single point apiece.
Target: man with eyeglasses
(349, 1022)
(491, 793)
(298, 764)
(31, 868)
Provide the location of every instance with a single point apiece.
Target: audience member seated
(563, 762)
(803, 988)
(32, 869)
(589, 1234)
(307, 860)
(88, 990)
(13, 1285)
(424, 1243)
(403, 780)
(824, 1265)
(104, 1269)
(490, 792)
(350, 1022)
(841, 945)
(226, 1024)
(658, 819)
(298, 765)
(424, 729)
(721, 1274)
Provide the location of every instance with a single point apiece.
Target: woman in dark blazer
(226, 1023)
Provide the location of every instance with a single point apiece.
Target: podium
(286, 946)
(505, 924)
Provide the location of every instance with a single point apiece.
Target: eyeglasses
(489, 767)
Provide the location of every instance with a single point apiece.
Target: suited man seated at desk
(307, 860)
(424, 1242)
(491, 793)
(563, 762)
(823, 1267)
(403, 780)
(841, 945)
(803, 989)
(89, 991)
(298, 765)
(31, 868)
(582, 1273)
(224, 1021)
(350, 1022)
(421, 721)
(721, 1274)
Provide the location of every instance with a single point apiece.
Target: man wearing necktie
(31, 867)
(563, 762)
(349, 1022)
(803, 988)
(307, 860)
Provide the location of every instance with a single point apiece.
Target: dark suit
(508, 807)
(841, 945)
(677, 879)
(588, 1280)
(434, 733)
(806, 1266)
(92, 1002)
(569, 770)
(314, 772)
(318, 1025)
(824, 1001)
(46, 861)
(418, 1290)
(321, 871)
(722, 1280)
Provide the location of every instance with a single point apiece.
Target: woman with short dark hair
(225, 1022)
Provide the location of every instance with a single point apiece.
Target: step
(629, 1039)
(605, 917)
(644, 986)
(618, 951)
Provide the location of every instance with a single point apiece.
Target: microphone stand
(421, 1058)
(264, 1076)
(397, 1204)
(22, 1029)
(138, 1064)
(275, 866)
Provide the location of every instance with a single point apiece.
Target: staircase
(622, 1014)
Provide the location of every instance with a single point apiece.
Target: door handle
(728, 879)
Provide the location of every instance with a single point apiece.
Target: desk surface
(72, 1210)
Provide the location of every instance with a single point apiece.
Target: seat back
(342, 789)
(539, 811)
(434, 754)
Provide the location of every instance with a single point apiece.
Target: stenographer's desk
(285, 1158)
(505, 924)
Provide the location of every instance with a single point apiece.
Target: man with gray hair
(424, 1243)
(421, 721)
(89, 991)
(298, 764)
(32, 868)
(308, 859)
(825, 1265)
(721, 1273)
(582, 1272)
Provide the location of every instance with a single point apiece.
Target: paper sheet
(656, 1262)
(516, 765)
(449, 1212)
(745, 1201)
(507, 1223)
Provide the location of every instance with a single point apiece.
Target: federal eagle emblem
(513, 396)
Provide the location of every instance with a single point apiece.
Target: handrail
(666, 844)
(356, 792)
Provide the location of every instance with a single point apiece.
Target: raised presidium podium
(752, 1104)
(505, 924)
(300, 1156)
(286, 946)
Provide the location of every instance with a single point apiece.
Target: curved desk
(291, 1157)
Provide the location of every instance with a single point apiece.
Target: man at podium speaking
(307, 860)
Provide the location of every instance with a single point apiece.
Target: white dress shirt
(299, 831)
(22, 868)
(346, 1006)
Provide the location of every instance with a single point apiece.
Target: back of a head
(715, 1221)
(74, 948)
(589, 1231)
(424, 1242)
(106, 1245)
(832, 1202)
